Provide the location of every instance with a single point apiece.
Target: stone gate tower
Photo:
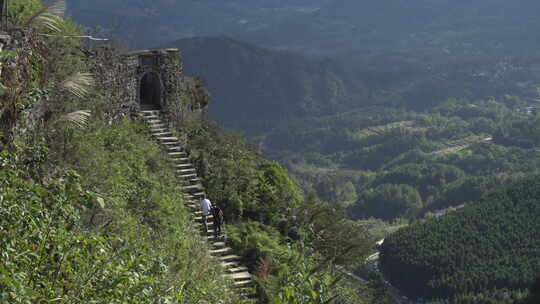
(151, 80)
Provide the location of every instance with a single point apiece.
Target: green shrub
(256, 241)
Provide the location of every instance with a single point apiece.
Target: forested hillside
(388, 163)
(488, 252)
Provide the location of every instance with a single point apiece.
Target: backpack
(218, 215)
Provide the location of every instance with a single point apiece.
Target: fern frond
(50, 16)
(78, 84)
(78, 118)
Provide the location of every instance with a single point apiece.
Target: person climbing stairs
(193, 192)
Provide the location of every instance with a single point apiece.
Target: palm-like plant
(50, 16)
(78, 84)
(78, 118)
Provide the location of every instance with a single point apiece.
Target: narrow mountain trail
(461, 144)
(193, 191)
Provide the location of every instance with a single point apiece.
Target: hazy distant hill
(251, 84)
(327, 26)
(147, 23)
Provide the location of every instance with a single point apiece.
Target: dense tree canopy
(480, 248)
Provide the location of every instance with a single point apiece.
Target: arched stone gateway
(151, 80)
(150, 92)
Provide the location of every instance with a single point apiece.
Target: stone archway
(150, 92)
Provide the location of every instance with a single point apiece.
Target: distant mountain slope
(484, 253)
(250, 84)
(255, 88)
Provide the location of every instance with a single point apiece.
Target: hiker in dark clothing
(218, 220)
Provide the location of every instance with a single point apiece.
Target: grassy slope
(124, 233)
(90, 212)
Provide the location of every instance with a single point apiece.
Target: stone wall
(18, 116)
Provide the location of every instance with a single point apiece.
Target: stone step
(250, 296)
(197, 196)
(210, 225)
(237, 269)
(239, 276)
(192, 181)
(178, 165)
(193, 188)
(188, 179)
(160, 132)
(180, 160)
(150, 117)
(229, 257)
(243, 283)
(154, 121)
(218, 244)
(185, 171)
(169, 143)
(188, 176)
(210, 237)
(220, 251)
(230, 264)
(174, 153)
(167, 138)
(157, 125)
(194, 196)
(150, 112)
(209, 218)
(174, 148)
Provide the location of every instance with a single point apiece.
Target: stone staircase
(193, 192)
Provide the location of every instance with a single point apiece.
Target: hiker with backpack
(218, 220)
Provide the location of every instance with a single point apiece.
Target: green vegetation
(402, 174)
(487, 252)
(114, 230)
(396, 148)
(391, 164)
(90, 211)
(297, 245)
